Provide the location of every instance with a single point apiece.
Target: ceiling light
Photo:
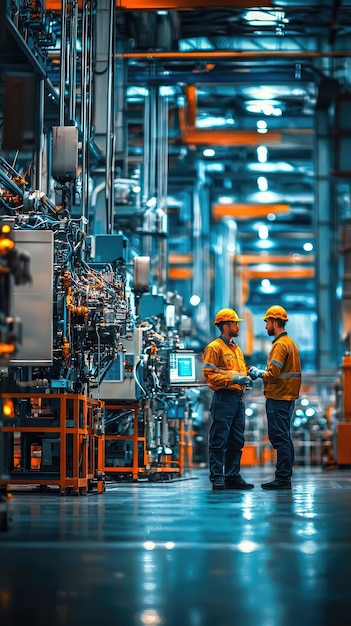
(262, 183)
(261, 126)
(195, 300)
(267, 287)
(209, 152)
(280, 166)
(308, 247)
(264, 244)
(263, 231)
(214, 167)
(210, 121)
(271, 217)
(226, 200)
(262, 154)
(151, 202)
(166, 90)
(266, 18)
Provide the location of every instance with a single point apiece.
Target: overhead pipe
(234, 54)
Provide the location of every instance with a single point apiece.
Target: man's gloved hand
(256, 373)
(241, 380)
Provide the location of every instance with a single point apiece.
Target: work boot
(218, 487)
(238, 483)
(277, 484)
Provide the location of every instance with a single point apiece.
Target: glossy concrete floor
(178, 554)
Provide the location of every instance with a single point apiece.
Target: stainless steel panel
(32, 302)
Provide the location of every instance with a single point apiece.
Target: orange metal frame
(146, 469)
(87, 460)
(134, 469)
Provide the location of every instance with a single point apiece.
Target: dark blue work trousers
(226, 436)
(279, 414)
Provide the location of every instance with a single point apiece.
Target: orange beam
(191, 99)
(254, 259)
(180, 258)
(139, 5)
(232, 54)
(229, 137)
(281, 272)
(180, 273)
(150, 5)
(244, 211)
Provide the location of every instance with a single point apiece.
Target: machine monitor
(182, 368)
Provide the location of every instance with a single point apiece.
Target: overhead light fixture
(264, 244)
(271, 217)
(263, 231)
(195, 300)
(151, 202)
(209, 152)
(308, 247)
(262, 154)
(262, 183)
(265, 18)
(280, 166)
(214, 167)
(262, 126)
(267, 287)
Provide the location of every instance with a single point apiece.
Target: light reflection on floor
(178, 554)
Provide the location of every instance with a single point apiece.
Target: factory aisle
(178, 554)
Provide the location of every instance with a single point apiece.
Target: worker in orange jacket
(226, 374)
(281, 387)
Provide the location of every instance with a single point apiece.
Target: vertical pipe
(162, 172)
(120, 106)
(146, 173)
(40, 148)
(110, 119)
(73, 59)
(84, 108)
(327, 354)
(63, 63)
(153, 137)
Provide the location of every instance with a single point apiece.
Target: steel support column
(326, 327)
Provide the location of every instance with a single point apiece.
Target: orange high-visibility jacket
(282, 378)
(221, 361)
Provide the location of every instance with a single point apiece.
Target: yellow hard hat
(276, 312)
(227, 315)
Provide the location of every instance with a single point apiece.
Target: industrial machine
(99, 382)
(14, 270)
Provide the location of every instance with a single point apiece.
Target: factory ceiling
(247, 88)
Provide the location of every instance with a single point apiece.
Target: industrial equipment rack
(141, 462)
(66, 421)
